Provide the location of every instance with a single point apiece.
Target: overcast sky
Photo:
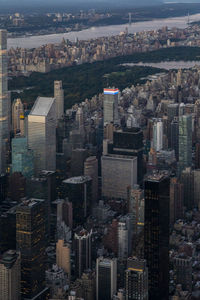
(13, 5)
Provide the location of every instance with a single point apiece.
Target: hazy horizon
(11, 6)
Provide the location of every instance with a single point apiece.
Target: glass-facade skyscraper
(42, 134)
(30, 240)
(4, 101)
(156, 234)
(185, 142)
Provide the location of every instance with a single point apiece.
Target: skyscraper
(91, 169)
(156, 234)
(63, 251)
(42, 134)
(10, 276)
(18, 116)
(176, 200)
(30, 238)
(118, 173)
(78, 191)
(4, 102)
(110, 106)
(106, 278)
(83, 248)
(185, 142)
(136, 280)
(129, 141)
(158, 135)
(22, 157)
(59, 97)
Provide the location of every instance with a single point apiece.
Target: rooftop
(42, 106)
(78, 180)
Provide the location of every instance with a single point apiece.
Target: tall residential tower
(4, 101)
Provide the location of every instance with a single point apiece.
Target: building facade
(42, 134)
(156, 234)
(4, 102)
(10, 276)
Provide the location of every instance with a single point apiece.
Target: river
(101, 31)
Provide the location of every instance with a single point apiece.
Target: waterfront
(102, 31)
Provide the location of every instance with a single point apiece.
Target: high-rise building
(125, 236)
(136, 282)
(122, 240)
(18, 117)
(106, 278)
(183, 271)
(91, 169)
(78, 191)
(10, 276)
(175, 137)
(187, 179)
(156, 234)
(3, 187)
(4, 102)
(8, 236)
(65, 212)
(110, 106)
(197, 188)
(130, 142)
(78, 158)
(22, 157)
(185, 142)
(17, 187)
(30, 239)
(135, 199)
(59, 97)
(42, 134)
(176, 200)
(118, 173)
(158, 134)
(83, 251)
(63, 252)
(43, 186)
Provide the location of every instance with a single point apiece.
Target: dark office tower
(136, 286)
(78, 191)
(130, 142)
(83, 251)
(185, 142)
(187, 179)
(197, 156)
(156, 234)
(30, 236)
(65, 212)
(3, 187)
(4, 102)
(176, 200)
(17, 186)
(172, 111)
(106, 278)
(77, 162)
(174, 144)
(8, 236)
(43, 187)
(91, 169)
